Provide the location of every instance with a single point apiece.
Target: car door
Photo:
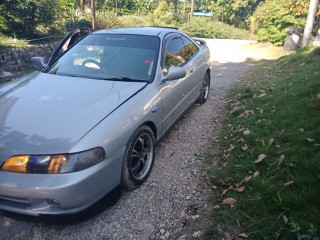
(175, 94)
(65, 44)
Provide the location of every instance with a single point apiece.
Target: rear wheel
(139, 157)
(204, 92)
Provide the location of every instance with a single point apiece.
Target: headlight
(62, 163)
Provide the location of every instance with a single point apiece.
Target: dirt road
(174, 202)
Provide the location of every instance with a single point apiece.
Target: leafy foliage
(235, 12)
(207, 28)
(107, 19)
(272, 20)
(162, 8)
(22, 17)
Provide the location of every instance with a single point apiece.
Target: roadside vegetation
(267, 182)
(269, 20)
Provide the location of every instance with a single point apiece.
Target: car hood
(44, 113)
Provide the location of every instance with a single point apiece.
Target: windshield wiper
(125, 79)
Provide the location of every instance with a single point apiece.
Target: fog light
(55, 201)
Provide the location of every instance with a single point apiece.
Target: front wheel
(204, 92)
(139, 157)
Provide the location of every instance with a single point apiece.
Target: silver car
(89, 120)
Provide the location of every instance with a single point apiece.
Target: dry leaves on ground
(229, 201)
(280, 160)
(260, 158)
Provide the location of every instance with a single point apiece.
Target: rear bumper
(36, 194)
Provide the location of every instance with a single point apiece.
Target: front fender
(115, 130)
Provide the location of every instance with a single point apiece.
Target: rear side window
(190, 48)
(178, 51)
(174, 53)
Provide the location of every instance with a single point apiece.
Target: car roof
(150, 31)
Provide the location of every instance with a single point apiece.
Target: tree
(236, 12)
(192, 7)
(162, 8)
(22, 17)
(309, 25)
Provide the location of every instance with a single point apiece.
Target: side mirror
(38, 63)
(174, 73)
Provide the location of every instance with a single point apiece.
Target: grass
(11, 42)
(274, 117)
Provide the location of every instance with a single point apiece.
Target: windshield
(111, 57)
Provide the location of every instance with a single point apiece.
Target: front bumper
(36, 194)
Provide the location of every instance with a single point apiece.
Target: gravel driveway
(174, 202)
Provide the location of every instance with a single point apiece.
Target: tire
(139, 157)
(204, 92)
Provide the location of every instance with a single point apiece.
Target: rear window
(107, 56)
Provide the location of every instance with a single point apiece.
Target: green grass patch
(11, 42)
(274, 117)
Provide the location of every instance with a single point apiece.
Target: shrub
(107, 19)
(208, 28)
(272, 20)
(136, 21)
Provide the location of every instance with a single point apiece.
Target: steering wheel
(91, 61)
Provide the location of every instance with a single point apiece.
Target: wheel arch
(209, 73)
(153, 127)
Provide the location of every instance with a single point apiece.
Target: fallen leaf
(256, 174)
(301, 130)
(238, 223)
(281, 158)
(239, 189)
(247, 179)
(182, 215)
(226, 156)
(245, 147)
(228, 237)
(262, 142)
(231, 148)
(281, 132)
(289, 183)
(243, 235)
(310, 140)
(221, 182)
(302, 64)
(260, 158)
(271, 140)
(285, 219)
(246, 132)
(224, 192)
(229, 201)
(241, 140)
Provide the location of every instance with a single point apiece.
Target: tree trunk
(192, 6)
(309, 25)
(93, 12)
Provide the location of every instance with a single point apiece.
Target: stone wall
(14, 59)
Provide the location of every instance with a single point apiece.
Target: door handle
(191, 71)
